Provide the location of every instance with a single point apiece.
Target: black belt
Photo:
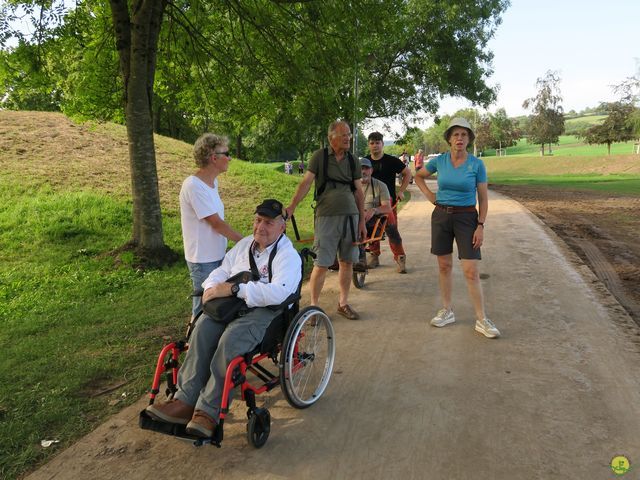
(454, 209)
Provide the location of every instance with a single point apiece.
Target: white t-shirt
(198, 200)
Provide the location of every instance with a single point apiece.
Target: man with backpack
(339, 212)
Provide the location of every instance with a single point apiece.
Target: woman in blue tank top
(462, 178)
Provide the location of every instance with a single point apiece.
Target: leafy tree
(484, 135)
(615, 128)
(547, 122)
(269, 66)
(504, 131)
(629, 91)
(433, 137)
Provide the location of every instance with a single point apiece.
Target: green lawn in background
(615, 184)
(568, 145)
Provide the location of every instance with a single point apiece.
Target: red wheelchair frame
(286, 345)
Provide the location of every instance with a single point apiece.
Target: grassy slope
(76, 320)
(614, 174)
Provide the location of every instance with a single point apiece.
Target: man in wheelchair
(276, 267)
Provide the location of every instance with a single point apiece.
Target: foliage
(271, 73)
(496, 131)
(617, 127)
(433, 137)
(578, 124)
(547, 122)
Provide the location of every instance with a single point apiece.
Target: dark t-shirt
(386, 170)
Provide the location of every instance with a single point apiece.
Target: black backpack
(324, 168)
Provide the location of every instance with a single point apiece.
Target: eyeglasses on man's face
(343, 135)
(225, 153)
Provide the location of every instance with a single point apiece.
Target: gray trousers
(212, 346)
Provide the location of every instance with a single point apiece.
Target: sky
(592, 44)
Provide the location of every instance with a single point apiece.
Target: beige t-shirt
(337, 198)
(375, 194)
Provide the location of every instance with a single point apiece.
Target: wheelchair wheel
(358, 279)
(258, 427)
(307, 357)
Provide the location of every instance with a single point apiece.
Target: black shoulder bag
(227, 309)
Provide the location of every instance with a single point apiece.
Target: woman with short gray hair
(204, 230)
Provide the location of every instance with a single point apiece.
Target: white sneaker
(487, 328)
(444, 317)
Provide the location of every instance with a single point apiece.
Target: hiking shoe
(201, 425)
(171, 411)
(444, 317)
(402, 260)
(347, 312)
(373, 261)
(487, 328)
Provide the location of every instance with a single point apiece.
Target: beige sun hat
(459, 122)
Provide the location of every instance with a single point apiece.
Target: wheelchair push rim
(307, 358)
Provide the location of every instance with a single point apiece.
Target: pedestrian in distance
(204, 230)
(385, 169)
(462, 179)
(339, 213)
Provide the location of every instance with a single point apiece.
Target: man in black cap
(212, 344)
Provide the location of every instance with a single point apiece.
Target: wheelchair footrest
(177, 430)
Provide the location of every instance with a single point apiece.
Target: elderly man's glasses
(226, 153)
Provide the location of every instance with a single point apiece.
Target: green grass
(77, 319)
(614, 184)
(568, 146)
(615, 174)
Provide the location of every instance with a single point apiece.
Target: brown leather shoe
(201, 425)
(373, 261)
(348, 312)
(171, 411)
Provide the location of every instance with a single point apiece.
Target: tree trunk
(136, 41)
(542, 150)
(608, 148)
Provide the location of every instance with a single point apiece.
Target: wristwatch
(481, 224)
(235, 288)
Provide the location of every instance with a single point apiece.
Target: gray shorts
(335, 234)
(447, 226)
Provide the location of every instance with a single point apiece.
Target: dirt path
(600, 228)
(556, 397)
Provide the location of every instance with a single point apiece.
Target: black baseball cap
(270, 208)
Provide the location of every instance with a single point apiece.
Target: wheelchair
(299, 344)
(377, 235)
